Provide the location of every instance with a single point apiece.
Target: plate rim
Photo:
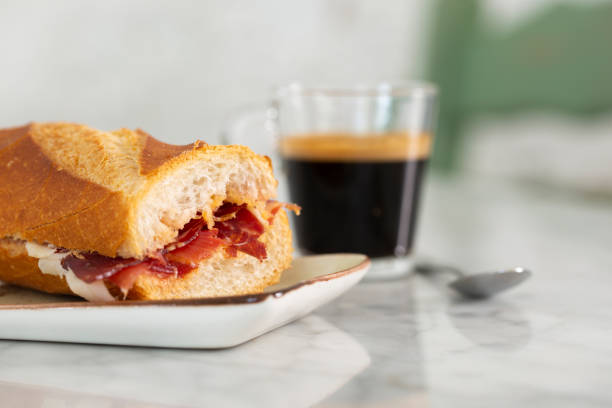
(209, 301)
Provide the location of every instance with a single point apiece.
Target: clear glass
(353, 158)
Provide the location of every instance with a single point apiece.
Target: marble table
(401, 343)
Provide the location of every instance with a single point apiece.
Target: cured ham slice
(201, 247)
(237, 229)
(90, 267)
(242, 232)
(125, 278)
(190, 231)
(254, 248)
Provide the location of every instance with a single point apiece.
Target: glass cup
(353, 159)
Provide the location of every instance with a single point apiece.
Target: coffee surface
(356, 195)
(391, 146)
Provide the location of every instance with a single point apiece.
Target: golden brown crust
(11, 135)
(79, 188)
(17, 268)
(155, 153)
(44, 203)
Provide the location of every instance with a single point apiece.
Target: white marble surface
(391, 344)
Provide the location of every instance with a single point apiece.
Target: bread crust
(155, 153)
(79, 188)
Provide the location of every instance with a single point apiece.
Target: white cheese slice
(94, 292)
(50, 263)
(39, 251)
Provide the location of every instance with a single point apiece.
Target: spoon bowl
(479, 285)
(486, 284)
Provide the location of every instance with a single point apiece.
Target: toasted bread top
(119, 193)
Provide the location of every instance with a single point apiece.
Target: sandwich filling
(237, 228)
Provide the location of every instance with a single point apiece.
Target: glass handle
(253, 126)
(256, 126)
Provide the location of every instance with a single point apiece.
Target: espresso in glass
(359, 192)
(354, 158)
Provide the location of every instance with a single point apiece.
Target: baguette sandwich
(120, 215)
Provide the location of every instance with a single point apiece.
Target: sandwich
(121, 215)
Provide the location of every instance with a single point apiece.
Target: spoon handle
(428, 268)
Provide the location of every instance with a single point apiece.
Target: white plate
(190, 323)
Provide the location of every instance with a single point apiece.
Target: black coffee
(355, 199)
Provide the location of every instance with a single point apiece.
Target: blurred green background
(559, 59)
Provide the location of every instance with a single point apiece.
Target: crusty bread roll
(126, 194)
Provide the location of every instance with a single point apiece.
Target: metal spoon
(479, 285)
